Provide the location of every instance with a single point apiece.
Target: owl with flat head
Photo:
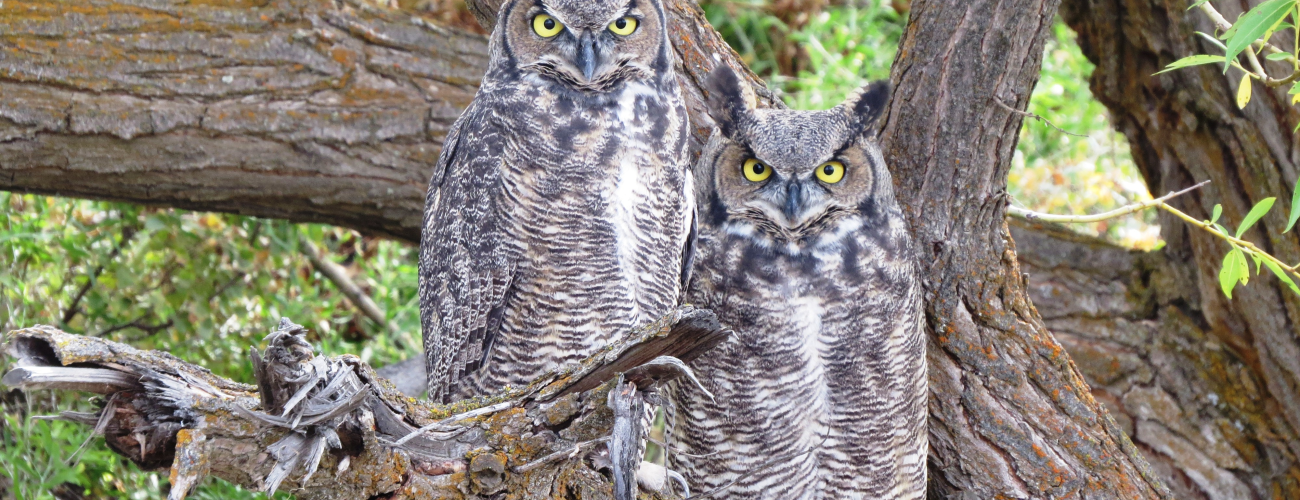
(804, 252)
(560, 208)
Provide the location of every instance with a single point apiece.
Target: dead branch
(329, 428)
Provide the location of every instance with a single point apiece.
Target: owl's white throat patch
(627, 102)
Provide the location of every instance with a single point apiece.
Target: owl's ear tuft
(866, 105)
(731, 102)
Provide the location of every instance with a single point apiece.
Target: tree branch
(1084, 219)
(328, 428)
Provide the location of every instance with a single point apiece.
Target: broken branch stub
(329, 427)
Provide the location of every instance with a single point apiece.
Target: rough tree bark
(1210, 387)
(312, 110)
(1011, 417)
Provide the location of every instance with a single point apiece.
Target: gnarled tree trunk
(1010, 415)
(312, 110)
(1209, 387)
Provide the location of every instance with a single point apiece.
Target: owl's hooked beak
(588, 58)
(794, 201)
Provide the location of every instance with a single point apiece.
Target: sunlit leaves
(1281, 275)
(1195, 60)
(1254, 24)
(1255, 214)
(1234, 271)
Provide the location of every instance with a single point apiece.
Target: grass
(206, 286)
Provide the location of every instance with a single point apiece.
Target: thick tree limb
(294, 109)
(329, 428)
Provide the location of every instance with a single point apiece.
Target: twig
(1083, 219)
(453, 419)
(1235, 242)
(560, 455)
(339, 277)
(1027, 114)
(128, 232)
(138, 324)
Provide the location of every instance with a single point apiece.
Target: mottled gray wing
(466, 262)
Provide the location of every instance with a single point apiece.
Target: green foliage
(1255, 214)
(1235, 269)
(1254, 24)
(847, 46)
(1195, 60)
(202, 286)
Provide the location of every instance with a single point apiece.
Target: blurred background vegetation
(206, 286)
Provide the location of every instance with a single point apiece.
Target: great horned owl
(561, 205)
(804, 252)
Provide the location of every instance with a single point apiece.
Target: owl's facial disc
(790, 197)
(589, 45)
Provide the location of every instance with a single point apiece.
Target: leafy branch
(1236, 267)
(1249, 37)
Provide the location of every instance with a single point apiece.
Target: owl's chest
(589, 156)
(773, 296)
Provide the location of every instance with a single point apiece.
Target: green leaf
(1196, 4)
(1260, 209)
(1271, 29)
(1195, 60)
(1252, 25)
(1295, 207)
(1228, 276)
(1277, 56)
(1243, 91)
(1282, 275)
(1218, 212)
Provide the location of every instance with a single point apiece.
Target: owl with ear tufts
(805, 253)
(561, 206)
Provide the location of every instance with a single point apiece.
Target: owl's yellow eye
(756, 171)
(546, 26)
(624, 26)
(831, 172)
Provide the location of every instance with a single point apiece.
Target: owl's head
(792, 179)
(587, 45)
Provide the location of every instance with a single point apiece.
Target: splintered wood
(329, 428)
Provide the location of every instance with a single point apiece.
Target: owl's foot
(655, 477)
